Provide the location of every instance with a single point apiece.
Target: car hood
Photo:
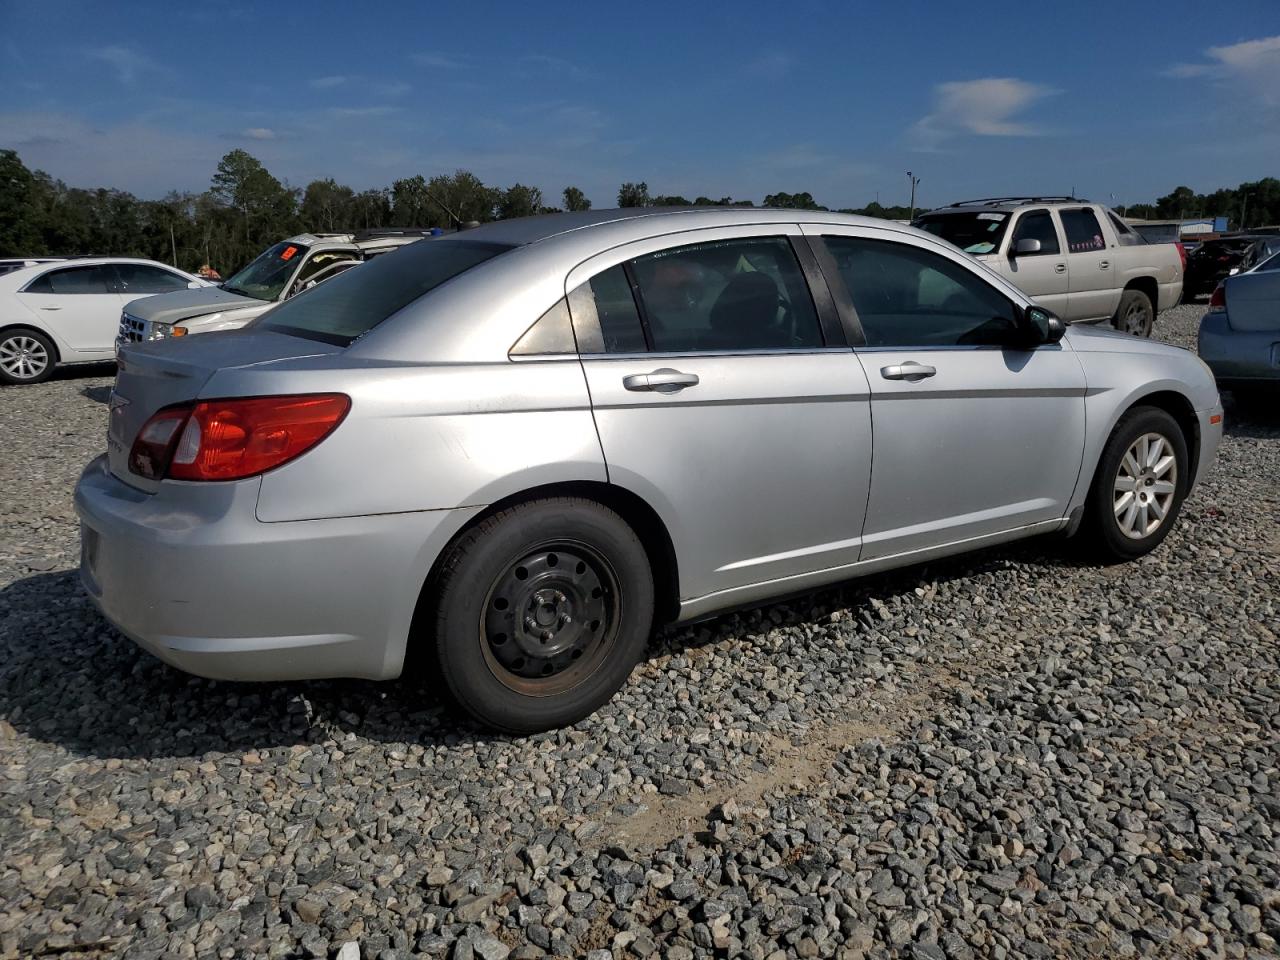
(185, 304)
(1100, 338)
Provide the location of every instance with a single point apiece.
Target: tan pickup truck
(1076, 258)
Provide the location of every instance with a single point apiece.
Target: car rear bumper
(1238, 356)
(191, 575)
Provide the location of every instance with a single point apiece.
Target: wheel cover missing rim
(1145, 485)
(549, 618)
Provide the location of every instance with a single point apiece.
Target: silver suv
(513, 450)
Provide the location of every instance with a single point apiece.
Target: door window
(605, 316)
(140, 278)
(1084, 233)
(317, 264)
(97, 279)
(1037, 225)
(908, 296)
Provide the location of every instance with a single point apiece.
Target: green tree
(458, 199)
(634, 195)
(676, 201)
(266, 208)
(792, 201)
(519, 201)
(575, 199)
(22, 212)
(327, 206)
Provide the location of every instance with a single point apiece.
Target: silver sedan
(511, 452)
(1240, 333)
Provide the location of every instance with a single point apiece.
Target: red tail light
(234, 439)
(1218, 302)
(1182, 252)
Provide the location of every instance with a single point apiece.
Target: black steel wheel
(541, 612)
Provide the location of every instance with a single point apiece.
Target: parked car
(1262, 249)
(278, 273)
(515, 449)
(1076, 258)
(68, 311)
(1240, 333)
(11, 264)
(1214, 260)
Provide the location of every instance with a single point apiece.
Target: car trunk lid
(163, 373)
(1253, 301)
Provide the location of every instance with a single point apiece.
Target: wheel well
(6, 327)
(641, 517)
(1180, 408)
(1148, 286)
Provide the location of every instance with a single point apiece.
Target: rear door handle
(664, 380)
(907, 371)
(1059, 268)
(1103, 264)
(50, 308)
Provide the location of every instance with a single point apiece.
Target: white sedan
(69, 312)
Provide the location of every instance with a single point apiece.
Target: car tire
(1125, 528)
(542, 611)
(26, 356)
(1135, 314)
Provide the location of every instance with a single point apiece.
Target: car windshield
(972, 232)
(266, 276)
(342, 309)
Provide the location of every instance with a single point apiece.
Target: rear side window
(1037, 225)
(348, 306)
(1084, 233)
(74, 280)
(605, 316)
(140, 278)
(905, 296)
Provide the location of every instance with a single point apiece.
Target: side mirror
(1026, 245)
(1046, 326)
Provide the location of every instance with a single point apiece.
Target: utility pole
(173, 244)
(1244, 205)
(914, 181)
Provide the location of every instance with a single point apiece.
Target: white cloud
(327, 83)
(379, 110)
(127, 63)
(439, 60)
(259, 133)
(1251, 65)
(984, 108)
(771, 66)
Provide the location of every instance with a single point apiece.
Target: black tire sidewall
(474, 563)
(49, 349)
(1106, 530)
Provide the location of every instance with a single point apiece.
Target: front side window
(348, 306)
(265, 277)
(906, 296)
(1084, 233)
(74, 280)
(1037, 225)
(140, 278)
(318, 264)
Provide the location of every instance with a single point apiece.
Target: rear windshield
(971, 232)
(342, 309)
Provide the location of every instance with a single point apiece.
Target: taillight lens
(236, 438)
(1218, 302)
(1182, 252)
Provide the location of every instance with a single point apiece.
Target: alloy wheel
(550, 618)
(1145, 486)
(1134, 320)
(23, 357)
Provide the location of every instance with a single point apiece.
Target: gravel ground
(1013, 754)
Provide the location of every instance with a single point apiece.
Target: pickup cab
(281, 271)
(1075, 258)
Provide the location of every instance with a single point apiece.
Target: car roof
(19, 277)
(1009, 204)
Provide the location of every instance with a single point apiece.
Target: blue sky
(740, 99)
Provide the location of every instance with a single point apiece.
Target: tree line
(246, 208)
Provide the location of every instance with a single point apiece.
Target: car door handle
(665, 380)
(50, 308)
(907, 371)
(1059, 268)
(1103, 264)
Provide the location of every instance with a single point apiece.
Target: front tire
(1138, 489)
(543, 609)
(26, 356)
(1135, 314)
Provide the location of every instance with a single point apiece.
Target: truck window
(1037, 225)
(1124, 233)
(1084, 233)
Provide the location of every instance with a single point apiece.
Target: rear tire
(1135, 314)
(26, 356)
(542, 611)
(1139, 486)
